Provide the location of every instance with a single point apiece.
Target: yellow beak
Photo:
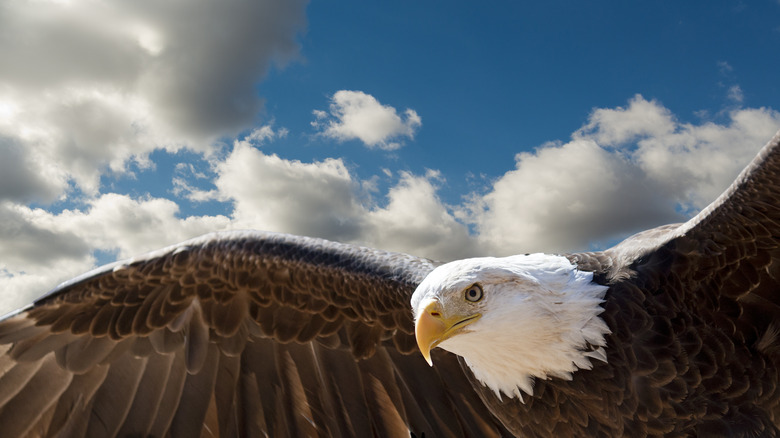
(432, 327)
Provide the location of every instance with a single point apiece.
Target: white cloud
(357, 115)
(563, 197)
(115, 222)
(75, 135)
(87, 86)
(268, 192)
(415, 220)
(642, 118)
(40, 249)
(627, 169)
(324, 199)
(695, 163)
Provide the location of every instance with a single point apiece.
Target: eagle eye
(474, 293)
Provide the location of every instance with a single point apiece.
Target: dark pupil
(473, 293)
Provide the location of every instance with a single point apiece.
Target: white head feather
(539, 314)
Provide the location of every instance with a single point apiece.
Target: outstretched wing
(724, 262)
(234, 334)
(695, 313)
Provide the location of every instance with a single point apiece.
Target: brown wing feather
(240, 333)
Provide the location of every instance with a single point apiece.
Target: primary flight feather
(673, 332)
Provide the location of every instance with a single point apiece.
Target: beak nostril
(435, 314)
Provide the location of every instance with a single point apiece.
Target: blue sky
(440, 129)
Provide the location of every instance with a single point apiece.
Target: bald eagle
(673, 332)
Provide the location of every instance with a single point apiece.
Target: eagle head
(512, 319)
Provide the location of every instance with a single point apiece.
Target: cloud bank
(627, 169)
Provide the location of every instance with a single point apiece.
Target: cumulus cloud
(127, 226)
(627, 169)
(75, 135)
(695, 163)
(324, 199)
(268, 192)
(357, 115)
(563, 197)
(88, 86)
(618, 126)
(416, 220)
(40, 248)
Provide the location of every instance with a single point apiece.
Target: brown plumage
(250, 333)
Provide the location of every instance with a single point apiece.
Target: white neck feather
(540, 320)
